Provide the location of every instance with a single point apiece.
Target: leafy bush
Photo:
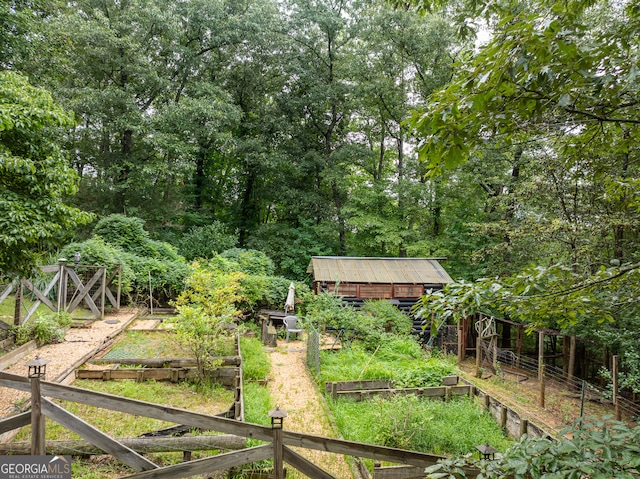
(594, 448)
(250, 261)
(128, 234)
(328, 311)
(385, 316)
(145, 262)
(204, 334)
(44, 328)
(205, 241)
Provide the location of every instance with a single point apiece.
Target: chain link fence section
(313, 350)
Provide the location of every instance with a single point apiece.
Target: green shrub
(205, 241)
(124, 232)
(387, 317)
(250, 261)
(328, 311)
(145, 262)
(46, 328)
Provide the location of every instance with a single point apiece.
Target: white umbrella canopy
(289, 304)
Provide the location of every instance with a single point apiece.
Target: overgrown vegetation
(146, 263)
(45, 328)
(599, 449)
(255, 362)
(400, 360)
(406, 421)
(376, 323)
(451, 428)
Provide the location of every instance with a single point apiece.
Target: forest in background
(339, 127)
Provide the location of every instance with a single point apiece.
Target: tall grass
(255, 363)
(401, 360)
(420, 424)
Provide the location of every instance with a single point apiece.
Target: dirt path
(78, 343)
(294, 391)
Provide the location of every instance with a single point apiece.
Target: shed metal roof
(378, 270)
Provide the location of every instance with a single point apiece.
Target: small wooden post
(277, 418)
(17, 310)
(542, 386)
(459, 338)
(37, 420)
(103, 292)
(519, 345)
(540, 355)
(478, 356)
(61, 297)
(119, 286)
(614, 374)
(334, 390)
(524, 426)
(572, 358)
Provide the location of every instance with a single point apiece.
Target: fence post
(614, 373)
(540, 355)
(542, 386)
(37, 421)
(277, 418)
(17, 311)
(524, 426)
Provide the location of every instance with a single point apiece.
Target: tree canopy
(34, 174)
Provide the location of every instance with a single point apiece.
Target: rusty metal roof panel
(378, 270)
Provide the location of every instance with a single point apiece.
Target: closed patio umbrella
(289, 304)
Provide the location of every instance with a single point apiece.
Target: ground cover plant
(211, 400)
(147, 344)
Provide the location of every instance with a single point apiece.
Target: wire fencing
(594, 399)
(313, 349)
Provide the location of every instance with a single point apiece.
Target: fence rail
(277, 447)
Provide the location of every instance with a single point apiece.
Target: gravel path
(294, 391)
(78, 343)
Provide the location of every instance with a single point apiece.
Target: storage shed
(377, 278)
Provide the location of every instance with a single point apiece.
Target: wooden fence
(363, 390)
(278, 447)
(70, 287)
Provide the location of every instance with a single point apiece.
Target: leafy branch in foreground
(597, 449)
(537, 296)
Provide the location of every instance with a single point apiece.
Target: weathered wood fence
(278, 447)
(363, 390)
(70, 286)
